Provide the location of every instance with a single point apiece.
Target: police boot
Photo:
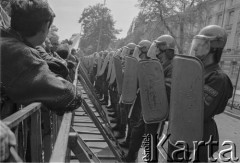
(102, 99)
(121, 133)
(116, 127)
(125, 143)
(109, 106)
(111, 110)
(130, 157)
(114, 121)
(113, 115)
(103, 103)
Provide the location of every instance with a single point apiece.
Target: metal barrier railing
(60, 150)
(29, 119)
(31, 111)
(63, 136)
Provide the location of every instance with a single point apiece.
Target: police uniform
(93, 73)
(105, 85)
(217, 91)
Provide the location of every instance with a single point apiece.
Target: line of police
(26, 77)
(138, 80)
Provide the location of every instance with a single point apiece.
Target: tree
(97, 21)
(176, 16)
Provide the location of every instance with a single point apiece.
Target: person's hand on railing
(7, 139)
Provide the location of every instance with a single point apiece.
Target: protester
(25, 77)
(7, 139)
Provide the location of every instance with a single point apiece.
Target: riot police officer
(137, 125)
(208, 46)
(166, 44)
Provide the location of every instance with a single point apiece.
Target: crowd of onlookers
(33, 68)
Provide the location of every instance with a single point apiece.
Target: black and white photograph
(120, 81)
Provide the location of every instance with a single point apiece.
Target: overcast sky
(68, 13)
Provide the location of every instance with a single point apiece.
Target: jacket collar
(211, 68)
(18, 36)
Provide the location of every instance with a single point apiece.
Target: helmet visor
(118, 52)
(197, 45)
(161, 45)
(126, 51)
(137, 53)
(153, 51)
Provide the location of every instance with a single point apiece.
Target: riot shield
(109, 68)
(129, 88)
(153, 91)
(104, 65)
(113, 75)
(91, 62)
(118, 72)
(186, 102)
(99, 65)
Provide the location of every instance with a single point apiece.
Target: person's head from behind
(73, 51)
(63, 51)
(166, 45)
(31, 19)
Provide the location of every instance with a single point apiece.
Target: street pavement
(229, 130)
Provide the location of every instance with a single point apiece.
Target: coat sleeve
(55, 65)
(217, 91)
(36, 83)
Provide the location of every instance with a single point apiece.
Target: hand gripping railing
(68, 139)
(13, 121)
(30, 116)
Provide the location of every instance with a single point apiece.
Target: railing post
(47, 146)
(56, 122)
(77, 149)
(36, 137)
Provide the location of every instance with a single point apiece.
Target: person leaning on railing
(7, 139)
(25, 77)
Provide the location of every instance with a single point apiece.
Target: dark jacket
(55, 65)
(167, 69)
(26, 78)
(217, 91)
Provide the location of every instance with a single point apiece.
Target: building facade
(226, 13)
